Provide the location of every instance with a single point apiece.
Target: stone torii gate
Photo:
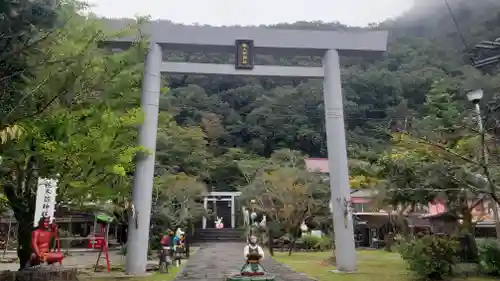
(245, 43)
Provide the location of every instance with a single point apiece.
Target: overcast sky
(254, 12)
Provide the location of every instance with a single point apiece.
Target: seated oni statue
(40, 244)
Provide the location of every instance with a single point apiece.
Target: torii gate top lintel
(266, 40)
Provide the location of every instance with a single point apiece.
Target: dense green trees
(65, 94)
(26, 26)
(262, 114)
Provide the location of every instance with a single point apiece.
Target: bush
(325, 243)
(430, 257)
(316, 243)
(154, 242)
(310, 242)
(489, 256)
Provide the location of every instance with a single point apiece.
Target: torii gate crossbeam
(166, 36)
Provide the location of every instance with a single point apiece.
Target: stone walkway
(216, 261)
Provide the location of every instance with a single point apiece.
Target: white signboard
(45, 199)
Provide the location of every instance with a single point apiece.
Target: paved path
(216, 261)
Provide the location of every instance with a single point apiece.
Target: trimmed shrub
(325, 243)
(489, 256)
(315, 243)
(310, 242)
(430, 257)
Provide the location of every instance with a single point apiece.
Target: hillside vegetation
(261, 115)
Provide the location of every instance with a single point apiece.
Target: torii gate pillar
(337, 164)
(327, 44)
(142, 190)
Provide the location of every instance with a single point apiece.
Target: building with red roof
(361, 199)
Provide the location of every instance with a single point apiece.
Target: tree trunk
(20, 191)
(24, 240)
(24, 212)
(291, 245)
(402, 223)
(187, 237)
(468, 232)
(270, 241)
(294, 235)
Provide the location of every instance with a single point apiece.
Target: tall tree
(83, 135)
(439, 157)
(177, 201)
(286, 193)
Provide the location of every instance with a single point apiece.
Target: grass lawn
(372, 265)
(156, 276)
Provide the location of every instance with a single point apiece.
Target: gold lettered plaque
(244, 54)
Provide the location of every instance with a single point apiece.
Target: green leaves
(78, 112)
(90, 149)
(431, 257)
(284, 191)
(177, 200)
(181, 149)
(25, 27)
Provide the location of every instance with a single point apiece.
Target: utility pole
(488, 54)
(475, 97)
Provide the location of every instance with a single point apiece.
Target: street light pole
(475, 97)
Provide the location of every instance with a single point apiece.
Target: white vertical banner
(45, 199)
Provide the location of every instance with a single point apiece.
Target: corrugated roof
(364, 193)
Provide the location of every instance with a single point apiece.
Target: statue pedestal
(42, 273)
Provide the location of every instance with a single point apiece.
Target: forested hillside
(261, 115)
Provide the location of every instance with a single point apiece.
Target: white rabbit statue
(218, 223)
(263, 222)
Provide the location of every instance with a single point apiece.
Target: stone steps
(218, 235)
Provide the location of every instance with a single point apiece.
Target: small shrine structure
(222, 204)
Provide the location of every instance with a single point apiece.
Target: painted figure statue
(169, 242)
(252, 269)
(263, 222)
(179, 234)
(40, 244)
(253, 254)
(253, 217)
(246, 216)
(168, 245)
(180, 249)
